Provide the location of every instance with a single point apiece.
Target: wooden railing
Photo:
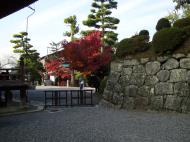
(68, 97)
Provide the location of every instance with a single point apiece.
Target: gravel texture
(95, 124)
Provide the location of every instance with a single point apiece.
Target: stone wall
(162, 83)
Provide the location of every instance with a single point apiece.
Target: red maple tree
(55, 67)
(84, 54)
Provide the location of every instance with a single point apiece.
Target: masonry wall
(162, 83)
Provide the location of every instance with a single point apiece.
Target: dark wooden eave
(8, 7)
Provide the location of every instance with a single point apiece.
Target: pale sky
(46, 24)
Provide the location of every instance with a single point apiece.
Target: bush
(132, 45)
(167, 40)
(163, 23)
(93, 81)
(102, 85)
(181, 23)
(187, 31)
(144, 32)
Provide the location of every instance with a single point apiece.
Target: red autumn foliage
(55, 67)
(84, 55)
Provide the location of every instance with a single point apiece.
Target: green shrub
(132, 45)
(102, 85)
(163, 23)
(167, 40)
(93, 81)
(144, 32)
(187, 31)
(181, 23)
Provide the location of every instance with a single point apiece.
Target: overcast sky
(46, 24)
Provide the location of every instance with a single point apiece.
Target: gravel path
(95, 124)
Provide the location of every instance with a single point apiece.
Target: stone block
(163, 88)
(188, 77)
(157, 102)
(163, 75)
(116, 66)
(152, 91)
(178, 55)
(151, 80)
(117, 88)
(173, 103)
(144, 91)
(127, 71)
(131, 91)
(117, 99)
(114, 77)
(181, 89)
(124, 80)
(141, 102)
(178, 75)
(185, 63)
(138, 69)
(129, 103)
(131, 62)
(137, 79)
(185, 106)
(170, 64)
(152, 67)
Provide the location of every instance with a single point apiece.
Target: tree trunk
(23, 94)
(73, 78)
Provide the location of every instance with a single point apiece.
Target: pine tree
(30, 55)
(74, 29)
(100, 19)
(22, 44)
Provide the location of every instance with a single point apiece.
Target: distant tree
(74, 29)
(8, 61)
(31, 57)
(100, 19)
(181, 3)
(55, 47)
(183, 6)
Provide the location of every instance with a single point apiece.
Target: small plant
(167, 40)
(163, 23)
